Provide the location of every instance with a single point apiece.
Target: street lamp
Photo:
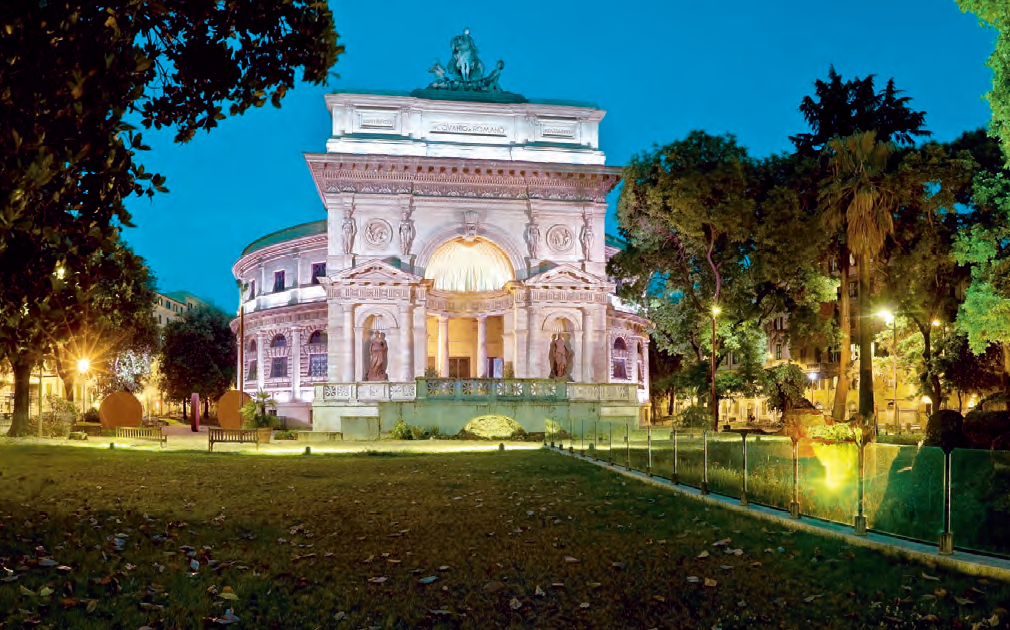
(813, 377)
(715, 409)
(892, 321)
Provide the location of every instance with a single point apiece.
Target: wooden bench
(92, 429)
(238, 436)
(142, 433)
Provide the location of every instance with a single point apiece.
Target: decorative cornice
(337, 173)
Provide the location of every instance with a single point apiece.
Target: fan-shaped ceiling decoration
(469, 267)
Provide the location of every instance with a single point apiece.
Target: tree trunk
(184, 415)
(206, 409)
(66, 376)
(845, 349)
(20, 423)
(865, 352)
(1005, 380)
(933, 388)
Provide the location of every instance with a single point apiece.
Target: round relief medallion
(377, 232)
(560, 238)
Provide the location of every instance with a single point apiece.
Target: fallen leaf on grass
(811, 598)
(228, 593)
(710, 582)
(584, 605)
(539, 592)
(377, 580)
(515, 604)
(693, 579)
(722, 543)
(429, 579)
(571, 560)
(493, 586)
(940, 592)
(963, 601)
(703, 554)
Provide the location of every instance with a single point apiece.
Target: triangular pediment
(566, 275)
(374, 272)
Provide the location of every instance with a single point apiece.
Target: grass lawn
(119, 539)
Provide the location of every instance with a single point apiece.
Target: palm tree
(858, 199)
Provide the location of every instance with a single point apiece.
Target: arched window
(278, 341)
(318, 336)
(619, 360)
(252, 345)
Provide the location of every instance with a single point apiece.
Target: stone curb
(972, 564)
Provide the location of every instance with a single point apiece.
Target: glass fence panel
(662, 453)
(903, 492)
(690, 458)
(639, 453)
(725, 464)
(829, 480)
(980, 500)
(770, 470)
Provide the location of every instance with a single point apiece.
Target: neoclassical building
(459, 268)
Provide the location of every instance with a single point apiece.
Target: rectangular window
(251, 376)
(278, 281)
(459, 367)
(317, 365)
(278, 367)
(318, 271)
(252, 289)
(778, 351)
(620, 369)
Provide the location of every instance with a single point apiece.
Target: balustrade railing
(480, 389)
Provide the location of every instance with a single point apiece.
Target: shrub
(693, 417)
(255, 412)
(401, 431)
(430, 372)
(982, 428)
(944, 429)
(285, 435)
(53, 425)
(434, 431)
(837, 432)
(91, 415)
(493, 427)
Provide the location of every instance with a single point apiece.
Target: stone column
(334, 340)
(482, 346)
(406, 345)
(420, 315)
(646, 377)
(261, 369)
(588, 343)
(348, 341)
(261, 289)
(295, 292)
(633, 359)
(296, 364)
(359, 354)
(443, 346)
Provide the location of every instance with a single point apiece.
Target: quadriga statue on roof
(465, 71)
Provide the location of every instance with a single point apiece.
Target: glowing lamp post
(715, 409)
(83, 366)
(813, 377)
(892, 321)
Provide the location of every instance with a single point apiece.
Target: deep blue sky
(660, 69)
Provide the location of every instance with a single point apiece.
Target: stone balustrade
(478, 389)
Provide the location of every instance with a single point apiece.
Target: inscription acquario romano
(470, 128)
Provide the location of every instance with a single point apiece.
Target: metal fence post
(596, 440)
(582, 429)
(571, 430)
(611, 449)
(946, 538)
(743, 490)
(674, 479)
(794, 505)
(704, 469)
(627, 442)
(859, 524)
(648, 442)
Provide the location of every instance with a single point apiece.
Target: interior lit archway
(473, 266)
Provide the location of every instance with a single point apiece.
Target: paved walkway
(181, 438)
(972, 564)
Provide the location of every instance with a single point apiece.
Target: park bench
(91, 429)
(237, 436)
(142, 433)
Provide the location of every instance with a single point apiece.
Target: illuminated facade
(464, 237)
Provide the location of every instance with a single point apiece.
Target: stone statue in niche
(377, 353)
(469, 225)
(586, 238)
(533, 239)
(406, 233)
(560, 357)
(348, 231)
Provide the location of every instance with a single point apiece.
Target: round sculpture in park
(228, 408)
(121, 409)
